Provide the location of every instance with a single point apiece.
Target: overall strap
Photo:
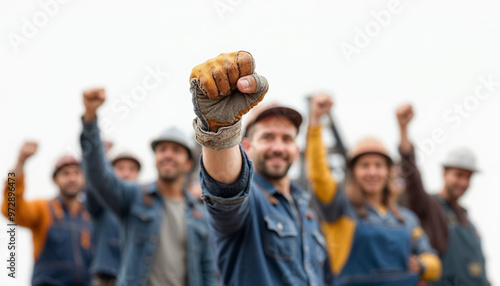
(56, 209)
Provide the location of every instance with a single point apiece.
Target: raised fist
(404, 114)
(224, 89)
(27, 150)
(92, 99)
(320, 104)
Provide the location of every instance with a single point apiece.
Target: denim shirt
(258, 238)
(106, 237)
(140, 210)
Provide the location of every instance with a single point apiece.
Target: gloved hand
(224, 89)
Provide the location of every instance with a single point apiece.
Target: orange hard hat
(368, 145)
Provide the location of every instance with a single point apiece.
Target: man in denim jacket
(166, 238)
(264, 232)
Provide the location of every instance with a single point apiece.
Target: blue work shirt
(106, 238)
(258, 238)
(141, 210)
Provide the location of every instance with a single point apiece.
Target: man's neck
(171, 190)
(283, 185)
(446, 196)
(72, 204)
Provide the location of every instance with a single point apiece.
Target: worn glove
(218, 101)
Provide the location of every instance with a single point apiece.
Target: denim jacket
(258, 238)
(105, 239)
(141, 211)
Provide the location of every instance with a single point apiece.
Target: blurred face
(70, 180)
(272, 146)
(456, 182)
(172, 161)
(126, 169)
(371, 173)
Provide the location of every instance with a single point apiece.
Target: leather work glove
(224, 89)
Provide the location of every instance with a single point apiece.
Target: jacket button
(280, 226)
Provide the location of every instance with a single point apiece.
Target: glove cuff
(224, 138)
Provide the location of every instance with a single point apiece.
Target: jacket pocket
(141, 223)
(280, 237)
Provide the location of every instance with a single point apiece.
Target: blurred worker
(60, 226)
(166, 232)
(263, 230)
(106, 239)
(371, 240)
(451, 232)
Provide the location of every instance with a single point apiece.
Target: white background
(429, 53)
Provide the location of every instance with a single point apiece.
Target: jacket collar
(295, 190)
(152, 189)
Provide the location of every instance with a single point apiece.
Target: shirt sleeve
(103, 183)
(227, 205)
(332, 202)
(34, 215)
(23, 213)
(417, 198)
(94, 207)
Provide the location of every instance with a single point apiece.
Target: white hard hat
(462, 158)
(176, 135)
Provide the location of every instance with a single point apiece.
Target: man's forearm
(405, 144)
(223, 165)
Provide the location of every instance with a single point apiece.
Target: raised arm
(418, 199)
(223, 90)
(323, 184)
(14, 206)
(102, 181)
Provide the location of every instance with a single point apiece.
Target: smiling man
(166, 232)
(450, 231)
(263, 230)
(60, 226)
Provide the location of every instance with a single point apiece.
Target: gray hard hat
(461, 158)
(176, 135)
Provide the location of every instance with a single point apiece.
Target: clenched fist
(404, 114)
(27, 150)
(320, 104)
(92, 99)
(223, 90)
